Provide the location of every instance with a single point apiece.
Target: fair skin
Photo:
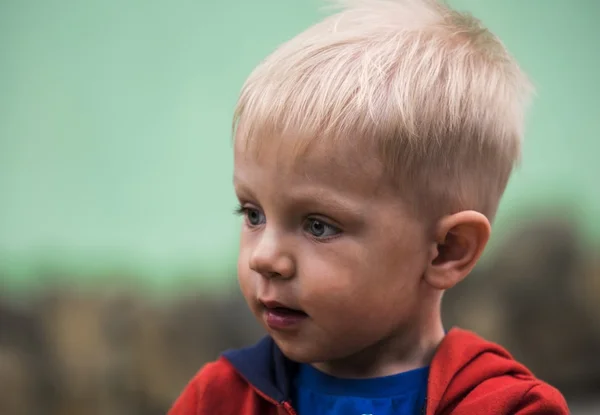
(323, 235)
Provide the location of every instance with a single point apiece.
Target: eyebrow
(241, 186)
(311, 199)
(324, 200)
(239, 183)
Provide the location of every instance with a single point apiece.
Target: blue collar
(265, 367)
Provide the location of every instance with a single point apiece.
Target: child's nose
(270, 259)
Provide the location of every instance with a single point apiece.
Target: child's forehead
(309, 155)
(317, 159)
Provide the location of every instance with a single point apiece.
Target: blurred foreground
(68, 352)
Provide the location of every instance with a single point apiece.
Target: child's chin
(299, 351)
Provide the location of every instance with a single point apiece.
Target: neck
(409, 347)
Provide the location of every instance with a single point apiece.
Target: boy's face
(323, 236)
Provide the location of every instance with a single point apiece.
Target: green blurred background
(115, 126)
(115, 118)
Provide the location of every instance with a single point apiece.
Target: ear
(459, 242)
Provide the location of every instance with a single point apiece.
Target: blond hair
(433, 92)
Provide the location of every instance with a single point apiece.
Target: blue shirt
(317, 393)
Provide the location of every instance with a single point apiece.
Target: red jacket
(467, 376)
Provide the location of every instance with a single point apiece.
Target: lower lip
(278, 320)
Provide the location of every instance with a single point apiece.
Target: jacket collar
(265, 367)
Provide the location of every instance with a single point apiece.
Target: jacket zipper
(288, 407)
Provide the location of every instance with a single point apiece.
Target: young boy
(371, 152)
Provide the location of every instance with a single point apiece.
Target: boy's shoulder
(206, 388)
(218, 388)
(468, 375)
(239, 382)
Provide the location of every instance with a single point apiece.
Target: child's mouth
(279, 317)
(284, 311)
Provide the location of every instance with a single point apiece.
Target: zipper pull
(288, 407)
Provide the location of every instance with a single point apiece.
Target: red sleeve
(543, 399)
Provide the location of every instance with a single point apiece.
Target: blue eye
(254, 217)
(320, 229)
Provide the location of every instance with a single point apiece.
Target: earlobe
(460, 241)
